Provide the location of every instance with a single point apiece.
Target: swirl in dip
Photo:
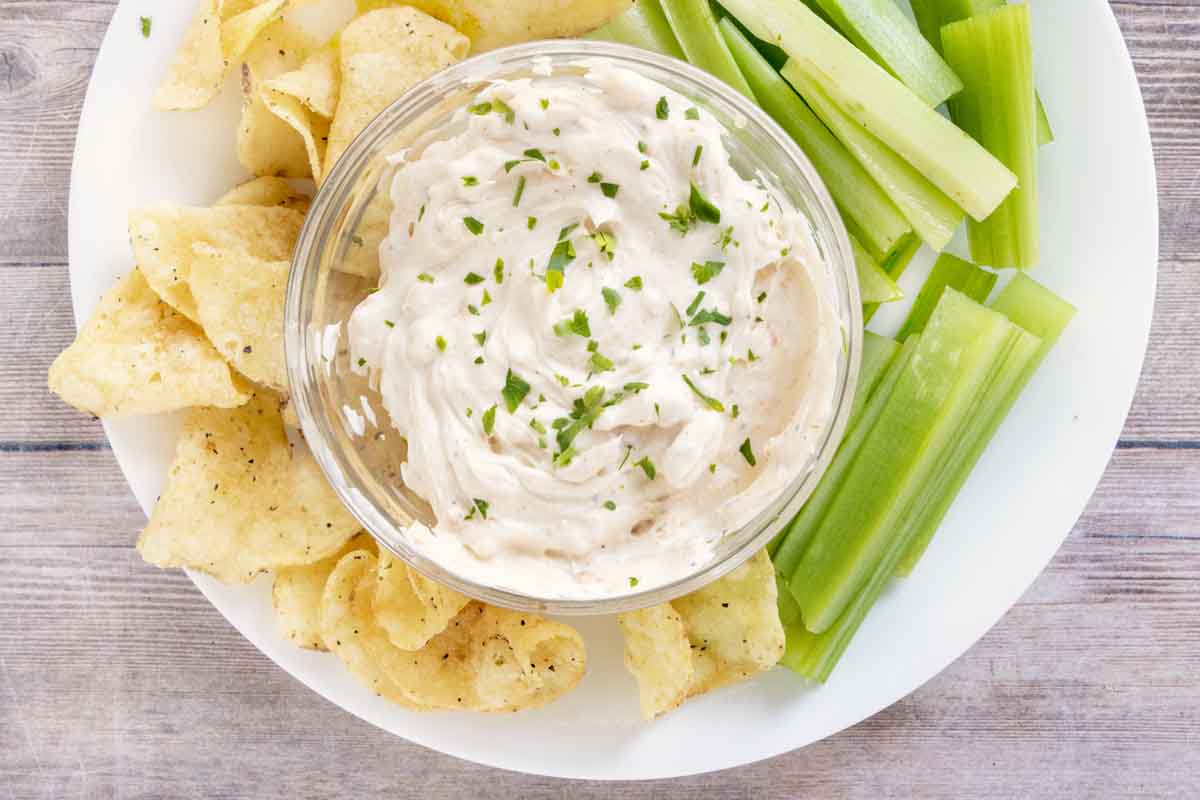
(604, 347)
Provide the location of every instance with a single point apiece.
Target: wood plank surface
(118, 680)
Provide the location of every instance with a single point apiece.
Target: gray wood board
(119, 680)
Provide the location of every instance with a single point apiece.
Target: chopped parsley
(751, 357)
(633, 582)
(489, 421)
(696, 154)
(514, 391)
(478, 506)
(425, 277)
(480, 109)
(725, 238)
(499, 106)
(692, 113)
(703, 273)
(762, 296)
(534, 154)
(695, 304)
(531, 222)
(487, 298)
(421, 213)
(481, 338)
(498, 270)
(472, 310)
(709, 315)
(641, 147)
(362, 362)
(702, 207)
(557, 131)
(575, 324)
(644, 166)
(634, 283)
(606, 242)
(544, 103)
(704, 339)
(610, 505)
(599, 363)
(662, 110)
(682, 220)
(647, 467)
(609, 189)
(517, 192)
(473, 225)
(473, 278)
(144, 22)
(748, 453)
(611, 299)
(562, 255)
(595, 177)
(389, 323)
(537, 426)
(441, 343)
(712, 402)
(470, 180)
(735, 412)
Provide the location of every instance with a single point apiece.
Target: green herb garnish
(712, 402)
(489, 421)
(647, 467)
(473, 225)
(748, 453)
(575, 324)
(425, 277)
(703, 273)
(440, 341)
(473, 278)
(692, 113)
(514, 391)
(609, 189)
(611, 299)
(700, 205)
(696, 154)
(145, 26)
(610, 505)
(517, 192)
(531, 222)
(470, 180)
(662, 110)
(595, 177)
(634, 283)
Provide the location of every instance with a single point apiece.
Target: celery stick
(877, 355)
(933, 215)
(645, 26)
(950, 159)
(874, 285)
(869, 212)
(882, 31)
(952, 364)
(993, 54)
(789, 612)
(933, 14)
(975, 282)
(695, 27)
(801, 529)
(894, 266)
(1035, 308)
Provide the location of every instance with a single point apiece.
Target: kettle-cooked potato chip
(212, 44)
(487, 659)
(239, 300)
(266, 191)
(305, 99)
(137, 355)
(409, 607)
(384, 53)
(496, 23)
(296, 595)
(730, 628)
(163, 236)
(240, 500)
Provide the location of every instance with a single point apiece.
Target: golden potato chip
(239, 300)
(658, 653)
(296, 595)
(487, 659)
(383, 54)
(210, 47)
(409, 607)
(730, 629)
(362, 254)
(304, 99)
(495, 23)
(267, 191)
(137, 355)
(240, 500)
(312, 128)
(163, 236)
(315, 83)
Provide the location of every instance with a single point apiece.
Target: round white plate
(1100, 224)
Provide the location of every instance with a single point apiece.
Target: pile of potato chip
(197, 326)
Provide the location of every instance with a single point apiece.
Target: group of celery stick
(857, 84)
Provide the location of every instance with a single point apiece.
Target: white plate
(1100, 221)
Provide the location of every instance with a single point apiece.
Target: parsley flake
(514, 391)
(748, 453)
(473, 225)
(489, 421)
(702, 207)
(609, 189)
(441, 343)
(662, 110)
(692, 113)
(517, 192)
(575, 324)
(703, 273)
(144, 22)
(425, 277)
(713, 403)
(610, 505)
(611, 299)
(473, 278)
(647, 467)
(470, 180)
(634, 283)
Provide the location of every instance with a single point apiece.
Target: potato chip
(163, 236)
(315, 83)
(305, 99)
(296, 595)
(730, 629)
(137, 355)
(384, 53)
(362, 254)
(495, 23)
(658, 652)
(487, 659)
(409, 607)
(268, 191)
(239, 300)
(240, 500)
(210, 47)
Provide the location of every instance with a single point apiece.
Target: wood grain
(119, 680)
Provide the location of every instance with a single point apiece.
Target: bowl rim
(332, 197)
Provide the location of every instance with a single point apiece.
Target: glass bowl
(336, 265)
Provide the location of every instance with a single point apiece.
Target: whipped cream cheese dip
(604, 346)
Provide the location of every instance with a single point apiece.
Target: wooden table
(119, 680)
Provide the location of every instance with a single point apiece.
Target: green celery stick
(645, 26)
(993, 54)
(950, 159)
(695, 27)
(801, 529)
(933, 215)
(789, 612)
(868, 211)
(881, 30)
(894, 266)
(953, 361)
(874, 285)
(878, 352)
(1036, 309)
(963, 276)
(933, 14)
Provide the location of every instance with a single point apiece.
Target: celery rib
(644, 25)
(950, 159)
(933, 215)
(993, 54)
(868, 212)
(874, 285)
(948, 271)
(695, 26)
(881, 30)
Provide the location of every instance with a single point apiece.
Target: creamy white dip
(596, 378)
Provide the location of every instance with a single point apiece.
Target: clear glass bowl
(336, 262)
